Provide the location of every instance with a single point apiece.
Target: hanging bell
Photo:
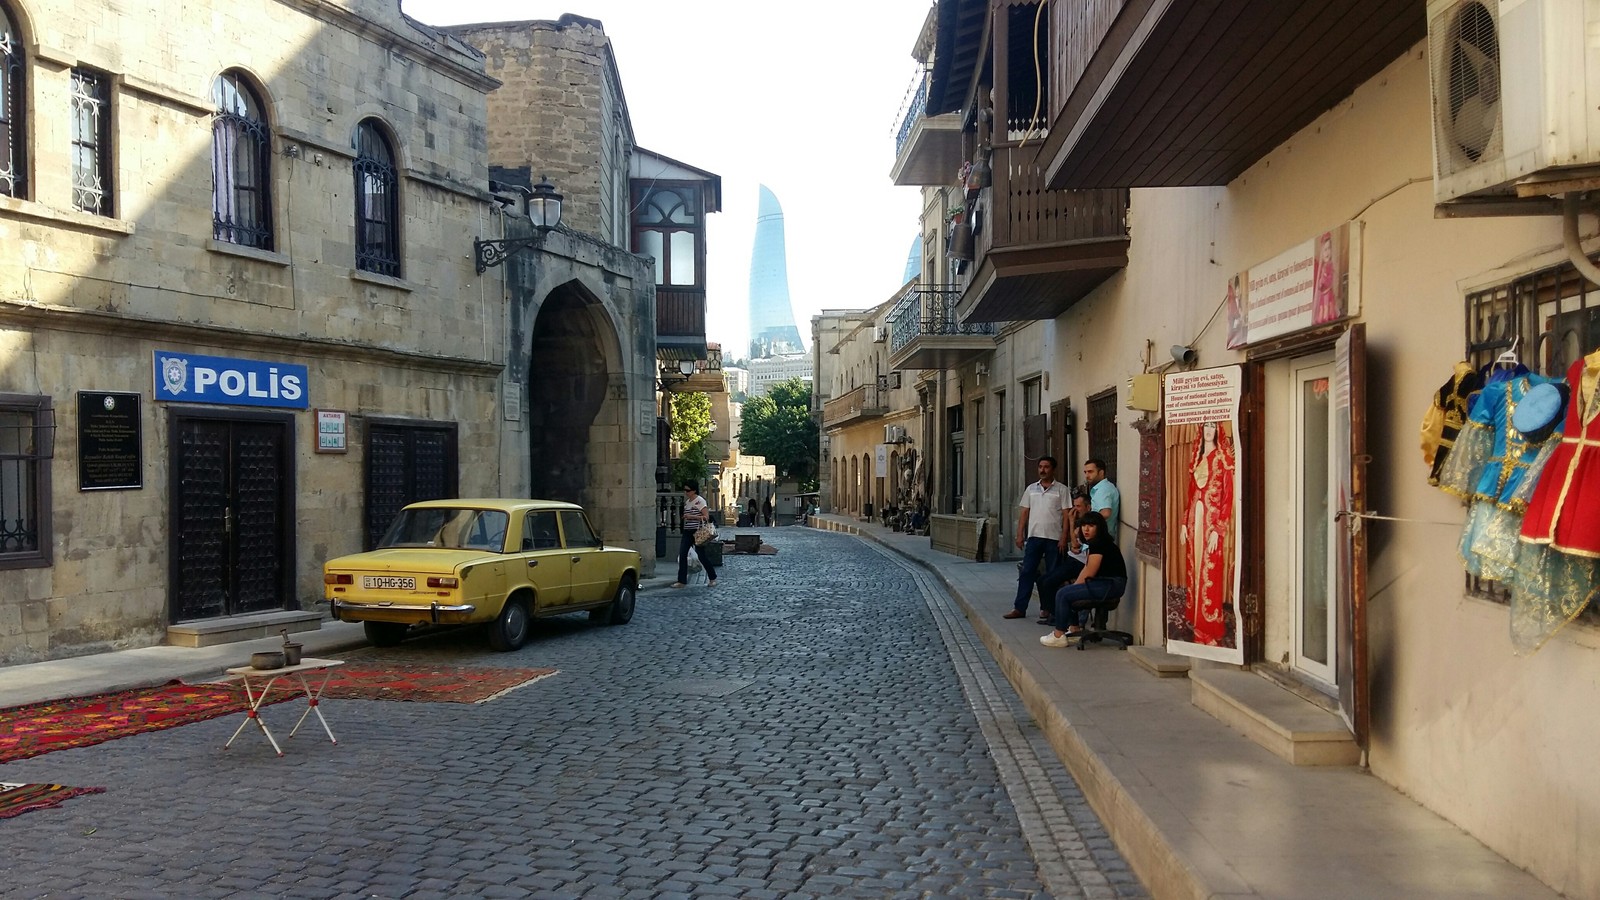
(960, 242)
(982, 174)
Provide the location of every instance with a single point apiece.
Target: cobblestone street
(822, 723)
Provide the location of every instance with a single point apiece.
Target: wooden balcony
(680, 323)
(927, 148)
(924, 332)
(1153, 93)
(858, 405)
(1039, 251)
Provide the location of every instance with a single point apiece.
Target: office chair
(1101, 608)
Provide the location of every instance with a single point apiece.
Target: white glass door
(1314, 608)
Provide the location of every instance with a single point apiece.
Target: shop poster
(1201, 571)
(1312, 284)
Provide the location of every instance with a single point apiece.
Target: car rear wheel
(621, 608)
(510, 631)
(384, 634)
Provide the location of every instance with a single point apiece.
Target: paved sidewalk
(1198, 809)
(122, 670)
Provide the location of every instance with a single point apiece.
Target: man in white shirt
(1041, 530)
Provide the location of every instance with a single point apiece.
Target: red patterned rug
(16, 799)
(82, 721)
(426, 683)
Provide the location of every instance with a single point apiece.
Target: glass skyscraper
(772, 328)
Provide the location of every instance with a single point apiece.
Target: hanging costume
(1445, 416)
(1558, 562)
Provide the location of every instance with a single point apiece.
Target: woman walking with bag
(695, 515)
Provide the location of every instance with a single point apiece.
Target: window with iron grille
(13, 133)
(1102, 428)
(91, 141)
(27, 431)
(1550, 317)
(241, 165)
(377, 202)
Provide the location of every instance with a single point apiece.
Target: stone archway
(568, 387)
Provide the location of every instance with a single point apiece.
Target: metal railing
(912, 111)
(931, 310)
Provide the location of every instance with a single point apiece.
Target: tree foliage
(779, 426)
(691, 425)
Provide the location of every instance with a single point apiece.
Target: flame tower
(772, 328)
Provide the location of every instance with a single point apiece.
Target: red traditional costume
(1565, 510)
(1208, 552)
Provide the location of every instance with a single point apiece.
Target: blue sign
(189, 378)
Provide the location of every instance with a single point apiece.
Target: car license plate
(388, 583)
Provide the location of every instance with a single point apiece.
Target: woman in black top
(1104, 576)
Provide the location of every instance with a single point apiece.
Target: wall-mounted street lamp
(544, 211)
(668, 377)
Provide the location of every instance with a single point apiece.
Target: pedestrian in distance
(766, 511)
(695, 514)
(1042, 526)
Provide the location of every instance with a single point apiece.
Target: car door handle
(532, 563)
(577, 559)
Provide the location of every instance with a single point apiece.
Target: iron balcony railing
(914, 108)
(930, 310)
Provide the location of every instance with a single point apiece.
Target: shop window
(91, 141)
(1550, 317)
(13, 128)
(377, 202)
(27, 432)
(241, 165)
(1102, 429)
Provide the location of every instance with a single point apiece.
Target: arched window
(13, 139)
(241, 165)
(377, 202)
(669, 228)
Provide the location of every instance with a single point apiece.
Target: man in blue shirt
(1104, 498)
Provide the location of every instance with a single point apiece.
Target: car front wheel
(510, 631)
(384, 634)
(622, 603)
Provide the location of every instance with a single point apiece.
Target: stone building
(1264, 289)
(599, 303)
(239, 320)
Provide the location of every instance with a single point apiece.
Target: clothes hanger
(1509, 358)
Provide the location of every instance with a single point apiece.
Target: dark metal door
(406, 464)
(231, 518)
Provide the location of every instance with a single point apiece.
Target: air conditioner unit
(1510, 81)
(880, 333)
(894, 434)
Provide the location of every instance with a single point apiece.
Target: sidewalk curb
(1150, 855)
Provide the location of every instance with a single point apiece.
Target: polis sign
(191, 378)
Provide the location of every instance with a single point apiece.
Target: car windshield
(448, 529)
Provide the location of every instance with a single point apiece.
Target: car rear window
(448, 529)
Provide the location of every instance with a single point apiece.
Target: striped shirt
(694, 513)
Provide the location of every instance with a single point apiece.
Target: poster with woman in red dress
(1208, 534)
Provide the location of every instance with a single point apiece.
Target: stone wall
(85, 300)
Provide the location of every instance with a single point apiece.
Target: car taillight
(331, 578)
(446, 581)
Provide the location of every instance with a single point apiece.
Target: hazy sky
(802, 97)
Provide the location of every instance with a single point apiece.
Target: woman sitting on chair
(1104, 576)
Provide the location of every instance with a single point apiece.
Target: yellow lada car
(502, 563)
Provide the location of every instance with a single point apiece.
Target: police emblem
(174, 373)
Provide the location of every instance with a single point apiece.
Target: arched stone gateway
(572, 342)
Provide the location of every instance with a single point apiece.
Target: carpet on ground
(425, 683)
(16, 799)
(83, 721)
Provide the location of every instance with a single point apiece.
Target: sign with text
(110, 456)
(1201, 562)
(191, 378)
(332, 431)
(1314, 283)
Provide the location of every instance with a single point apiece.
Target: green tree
(779, 426)
(691, 424)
